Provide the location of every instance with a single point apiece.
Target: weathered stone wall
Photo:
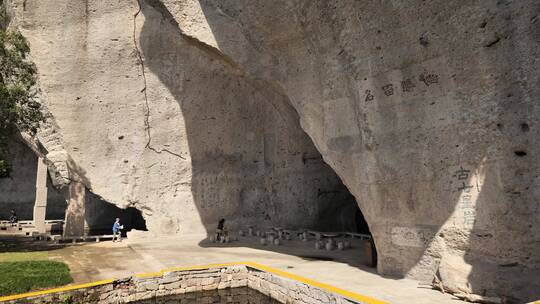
(156, 289)
(289, 291)
(18, 192)
(154, 120)
(101, 215)
(426, 110)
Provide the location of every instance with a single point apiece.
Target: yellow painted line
(54, 290)
(324, 286)
(348, 294)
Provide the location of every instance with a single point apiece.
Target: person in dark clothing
(221, 231)
(221, 224)
(13, 218)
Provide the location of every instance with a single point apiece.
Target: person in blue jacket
(116, 230)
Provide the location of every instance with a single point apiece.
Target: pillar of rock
(40, 205)
(75, 212)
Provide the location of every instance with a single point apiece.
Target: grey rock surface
(19, 191)
(427, 111)
(149, 118)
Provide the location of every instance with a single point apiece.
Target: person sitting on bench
(221, 231)
(13, 218)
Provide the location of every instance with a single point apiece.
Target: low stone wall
(177, 282)
(289, 291)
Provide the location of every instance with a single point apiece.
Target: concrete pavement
(344, 269)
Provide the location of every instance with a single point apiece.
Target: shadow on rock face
(453, 198)
(18, 192)
(251, 162)
(248, 151)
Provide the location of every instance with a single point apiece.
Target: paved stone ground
(97, 261)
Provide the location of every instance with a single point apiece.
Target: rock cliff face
(427, 110)
(148, 118)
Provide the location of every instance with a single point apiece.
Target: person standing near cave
(116, 229)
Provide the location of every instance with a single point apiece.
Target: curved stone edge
(281, 286)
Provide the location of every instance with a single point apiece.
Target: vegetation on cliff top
(19, 109)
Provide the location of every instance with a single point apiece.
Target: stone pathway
(344, 269)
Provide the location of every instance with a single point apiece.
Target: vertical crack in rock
(147, 106)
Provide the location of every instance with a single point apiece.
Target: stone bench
(97, 238)
(319, 235)
(28, 226)
(361, 236)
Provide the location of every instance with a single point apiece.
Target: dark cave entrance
(341, 214)
(18, 193)
(361, 224)
(100, 216)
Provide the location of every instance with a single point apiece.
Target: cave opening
(340, 213)
(100, 216)
(19, 194)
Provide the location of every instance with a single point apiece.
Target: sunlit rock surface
(427, 111)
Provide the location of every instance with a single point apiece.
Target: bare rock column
(40, 206)
(75, 212)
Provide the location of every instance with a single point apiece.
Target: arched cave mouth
(19, 194)
(342, 214)
(100, 216)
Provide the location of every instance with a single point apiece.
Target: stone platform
(278, 285)
(344, 269)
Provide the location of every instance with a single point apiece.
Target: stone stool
(330, 245)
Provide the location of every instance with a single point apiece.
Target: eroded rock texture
(158, 121)
(427, 110)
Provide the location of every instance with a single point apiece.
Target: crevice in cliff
(144, 90)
